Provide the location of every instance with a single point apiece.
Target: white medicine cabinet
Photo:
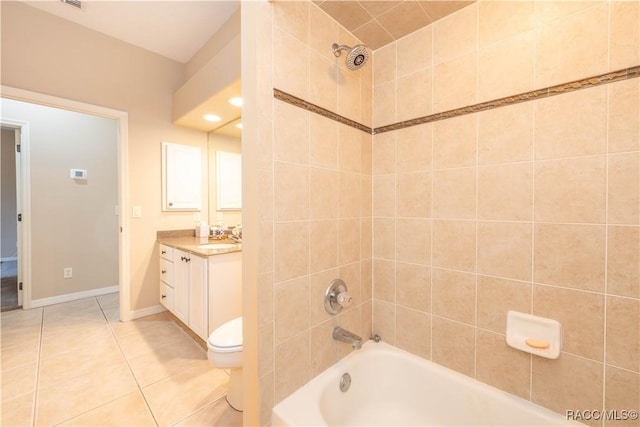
(181, 177)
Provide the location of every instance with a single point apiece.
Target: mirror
(224, 144)
(219, 116)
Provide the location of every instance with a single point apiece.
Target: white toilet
(225, 352)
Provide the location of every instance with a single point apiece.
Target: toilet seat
(227, 338)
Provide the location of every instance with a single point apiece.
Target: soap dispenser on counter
(202, 230)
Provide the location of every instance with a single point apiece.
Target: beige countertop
(190, 244)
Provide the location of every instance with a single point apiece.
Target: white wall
(73, 222)
(9, 229)
(46, 54)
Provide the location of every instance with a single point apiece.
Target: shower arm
(339, 48)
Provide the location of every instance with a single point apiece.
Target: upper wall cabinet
(181, 177)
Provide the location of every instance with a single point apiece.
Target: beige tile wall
(315, 197)
(533, 207)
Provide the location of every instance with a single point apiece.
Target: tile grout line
(606, 223)
(536, 31)
(37, 388)
(41, 318)
(477, 200)
(140, 387)
(126, 361)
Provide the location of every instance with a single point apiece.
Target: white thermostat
(78, 174)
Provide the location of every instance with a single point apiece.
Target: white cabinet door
(181, 177)
(166, 296)
(181, 285)
(198, 313)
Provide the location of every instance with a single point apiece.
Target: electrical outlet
(67, 272)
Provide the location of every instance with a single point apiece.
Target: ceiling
(173, 29)
(178, 29)
(377, 23)
(219, 105)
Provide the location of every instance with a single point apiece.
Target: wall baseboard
(9, 258)
(148, 311)
(74, 296)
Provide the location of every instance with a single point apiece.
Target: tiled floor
(76, 364)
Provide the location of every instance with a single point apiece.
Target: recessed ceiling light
(239, 125)
(211, 118)
(236, 101)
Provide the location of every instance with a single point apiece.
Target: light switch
(137, 211)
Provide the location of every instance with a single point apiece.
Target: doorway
(24, 238)
(10, 295)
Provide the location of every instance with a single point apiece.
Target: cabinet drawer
(166, 296)
(166, 252)
(166, 271)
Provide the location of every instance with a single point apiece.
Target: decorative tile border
(602, 79)
(298, 102)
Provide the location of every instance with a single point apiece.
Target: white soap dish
(533, 334)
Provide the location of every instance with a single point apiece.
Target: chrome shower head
(356, 56)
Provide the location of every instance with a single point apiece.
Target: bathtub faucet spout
(343, 335)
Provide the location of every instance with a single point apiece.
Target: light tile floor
(76, 364)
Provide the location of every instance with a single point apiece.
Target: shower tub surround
(392, 387)
(502, 173)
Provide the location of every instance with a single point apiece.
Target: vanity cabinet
(203, 292)
(190, 291)
(166, 277)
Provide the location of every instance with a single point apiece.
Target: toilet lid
(227, 336)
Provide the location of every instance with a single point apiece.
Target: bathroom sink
(218, 246)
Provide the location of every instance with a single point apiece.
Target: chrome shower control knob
(344, 299)
(336, 297)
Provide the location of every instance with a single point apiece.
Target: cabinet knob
(170, 203)
(163, 252)
(183, 258)
(187, 259)
(164, 271)
(164, 296)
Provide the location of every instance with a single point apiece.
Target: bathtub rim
(289, 412)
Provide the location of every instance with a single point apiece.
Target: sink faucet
(343, 335)
(235, 238)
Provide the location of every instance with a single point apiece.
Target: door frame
(122, 118)
(23, 204)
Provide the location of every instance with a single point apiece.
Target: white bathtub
(391, 387)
